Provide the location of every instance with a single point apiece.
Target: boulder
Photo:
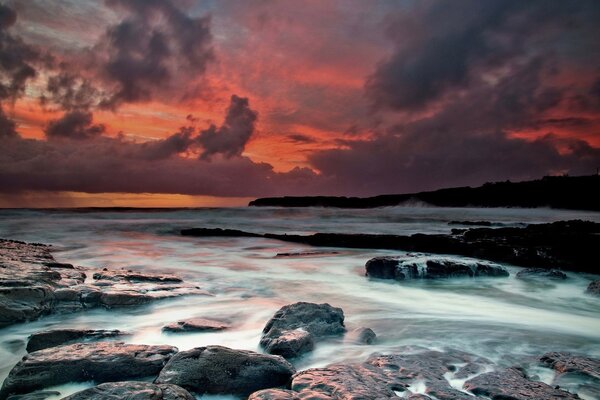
(41, 395)
(593, 288)
(196, 325)
(80, 362)
(301, 324)
(512, 383)
(132, 390)
(221, 370)
(274, 394)
(361, 336)
(541, 273)
(51, 338)
(425, 267)
(291, 344)
(134, 276)
(571, 363)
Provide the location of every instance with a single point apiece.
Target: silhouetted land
(576, 193)
(568, 245)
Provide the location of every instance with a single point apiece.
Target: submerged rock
(571, 363)
(221, 370)
(196, 325)
(294, 328)
(593, 288)
(425, 267)
(361, 336)
(51, 338)
(33, 283)
(512, 383)
(541, 273)
(41, 395)
(132, 390)
(274, 394)
(80, 362)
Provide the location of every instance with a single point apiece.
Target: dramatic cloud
(231, 138)
(7, 126)
(74, 125)
(157, 48)
(70, 92)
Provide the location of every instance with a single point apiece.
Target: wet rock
(33, 283)
(307, 254)
(56, 337)
(541, 273)
(361, 336)
(593, 288)
(274, 394)
(290, 344)
(80, 362)
(41, 395)
(571, 363)
(425, 267)
(196, 325)
(221, 370)
(512, 383)
(316, 320)
(134, 276)
(132, 390)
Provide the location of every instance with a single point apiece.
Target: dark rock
(361, 336)
(421, 267)
(196, 325)
(44, 339)
(541, 273)
(593, 288)
(130, 276)
(569, 245)
(512, 384)
(41, 395)
(571, 363)
(220, 370)
(33, 284)
(217, 232)
(318, 320)
(291, 344)
(80, 362)
(307, 254)
(132, 390)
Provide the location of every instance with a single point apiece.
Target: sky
(212, 103)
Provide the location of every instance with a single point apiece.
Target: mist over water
(503, 319)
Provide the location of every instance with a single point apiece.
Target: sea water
(503, 319)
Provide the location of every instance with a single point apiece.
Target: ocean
(503, 319)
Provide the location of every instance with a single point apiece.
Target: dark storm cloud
(445, 46)
(231, 137)
(299, 138)
(17, 59)
(178, 142)
(76, 125)
(70, 91)
(156, 48)
(7, 125)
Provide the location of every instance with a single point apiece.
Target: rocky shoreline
(33, 284)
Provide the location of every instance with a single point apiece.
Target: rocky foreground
(566, 245)
(169, 374)
(33, 283)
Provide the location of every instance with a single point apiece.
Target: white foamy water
(503, 319)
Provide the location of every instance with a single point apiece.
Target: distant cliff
(569, 192)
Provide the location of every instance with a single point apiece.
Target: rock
(51, 338)
(361, 336)
(131, 276)
(41, 395)
(425, 267)
(291, 344)
(274, 394)
(593, 288)
(196, 325)
(381, 376)
(220, 370)
(80, 362)
(316, 320)
(33, 283)
(307, 254)
(541, 273)
(132, 390)
(569, 245)
(511, 383)
(570, 363)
